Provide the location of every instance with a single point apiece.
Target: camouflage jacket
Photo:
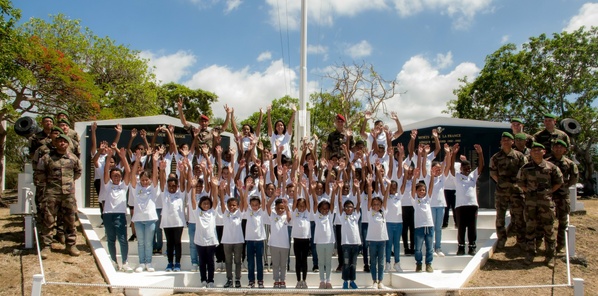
(505, 167)
(570, 173)
(539, 178)
(546, 138)
(58, 172)
(37, 140)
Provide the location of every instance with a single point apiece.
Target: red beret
(203, 117)
(340, 117)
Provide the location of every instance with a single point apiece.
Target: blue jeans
(363, 230)
(394, 239)
(424, 234)
(255, 252)
(192, 246)
(115, 225)
(437, 217)
(377, 250)
(158, 238)
(314, 253)
(145, 237)
(350, 253)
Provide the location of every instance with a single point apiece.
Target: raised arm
(364, 123)
(123, 160)
(133, 136)
(399, 132)
(436, 142)
(448, 154)
(268, 109)
(181, 114)
(480, 153)
(291, 120)
(94, 145)
(454, 158)
(258, 128)
(228, 111)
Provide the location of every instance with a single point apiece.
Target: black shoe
(315, 269)
(133, 238)
(366, 268)
(237, 284)
(229, 284)
(339, 268)
(158, 251)
(461, 250)
(471, 250)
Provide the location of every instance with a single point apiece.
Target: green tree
(196, 101)
(548, 75)
(9, 40)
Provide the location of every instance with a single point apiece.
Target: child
(115, 209)
(394, 218)
(205, 234)
(279, 239)
(323, 235)
(173, 214)
(281, 134)
(424, 225)
(466, 204)
(301, 234)
(191, 221)
(144, 194)
(255, 235)
(438, 201)
(377, 233)
(232, 237)
(350, 240)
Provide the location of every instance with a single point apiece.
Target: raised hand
(477, 148)
(393, 115)
(143, 134)
(133, 133)
(435, 133)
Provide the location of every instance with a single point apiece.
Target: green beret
(63, 112)
(64, 121)
(507, 135)
(550, 115)
(55, 128)
(520, 136)
(561, 142)
(538, 145)
(517, 119)
(47, 116)
(65, 137)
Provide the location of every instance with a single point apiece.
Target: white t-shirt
(233, 233)
(466, 189)
(324, 233)
(173, 209)
(198, 196)
(99, 171)
(301, 224)
(394, 207)
(281, 140)
(144, 202)
(205, 232)
(438, 200)
(422, 212)
(254, 229)
(116, 197)
(344, 198)
(350, 234)
(379, 140)
(365, 213)
(279, 231)
(406, 198)
(377, 227)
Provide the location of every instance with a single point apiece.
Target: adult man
(56, 172)
(504, 167)
(539, 179)
(72, 134)
(561, 196)
(338, 137)
(520, 143)
(40, 138)
(204, 137)
(517, 128)
(74, 147)
(550, 134)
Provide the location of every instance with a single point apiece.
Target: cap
(55, 128)
(516, 119)
(340, 117)
(561, 142)
(520, 136)
(538, 145)
(549, 115)
(64, 121)
(48, 116)
(203, 117)
(64, 137)
(507, 135)
(63, 112)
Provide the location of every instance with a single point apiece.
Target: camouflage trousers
(562, 209)
(515, 203)
(539, 216)
(54, 210)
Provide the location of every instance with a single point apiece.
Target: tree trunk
(2, 145)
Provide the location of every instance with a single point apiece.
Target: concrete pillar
(573, 197)
(36, 289)
(571, 234)
(578, 287)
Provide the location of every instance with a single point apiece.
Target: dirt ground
(18, 265)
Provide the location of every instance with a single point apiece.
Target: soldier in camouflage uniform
(338, 137)
(561, 196)
(42, 137)
(539, 179)
(520, 143)
(504, 167)
(56, 172)
(74, 146)
(550, 134)
(517, 128)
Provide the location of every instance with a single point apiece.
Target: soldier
(74, 146)
(561, 196)
(517, 128)
(550, 134)
(521, 143)
(338, 137)
(539, 179)
(56, 172)
(504, 166)
(73, 135)
(205, 136)
(41, 138)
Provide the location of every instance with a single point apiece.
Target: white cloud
(316, 49)
(504, 39)
(247, 91)
(444, 60)
(461, 11)
(587, 16)
(424, 90)
(169, 68)
(264, 56)
(232, 5)
(359, 50)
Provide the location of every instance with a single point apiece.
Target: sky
(248, 51)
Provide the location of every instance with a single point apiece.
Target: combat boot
(60, 237)
(549, 262)
(45, 252)
(73, 251)
(529, 258)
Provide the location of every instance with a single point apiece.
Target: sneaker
(461, 250)
(328, 285)
(260, 284)
(149, 267)
(126, 268)
(439, 253)
(169, 267)
(472, 250)
(315, 269)
(115, 265)
(276, 285)
(366, 268)
(345, 285)
(398, 267)
(435, 254)
(219, 267)
(282, 285)
(381, 286)
(158, 252)
(211, 285)
(133, 238)
(237, 284)
(177, 267)
(375, 285)
(418, 268)
(387, 267)
(299, 285)
(204, 284)
(353, 285)
(229, 284)
(251, 285)
(194, 267)
(244, 267)
(429, 268)
(140, 268)
(322, 285)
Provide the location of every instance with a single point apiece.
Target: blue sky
(247, 51)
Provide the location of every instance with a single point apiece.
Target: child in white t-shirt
(424, 225)
(350, 237)
(377, 233)
(232, 238)
(323, 235)
(301, 234)
(173, 214)
(205, 235)
(279, 239)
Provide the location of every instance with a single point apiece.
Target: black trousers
(450, 196)
(301, 249)
(408, 234)
(173, 243)
(467, 220)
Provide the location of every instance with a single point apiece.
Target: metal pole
(302, 126)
